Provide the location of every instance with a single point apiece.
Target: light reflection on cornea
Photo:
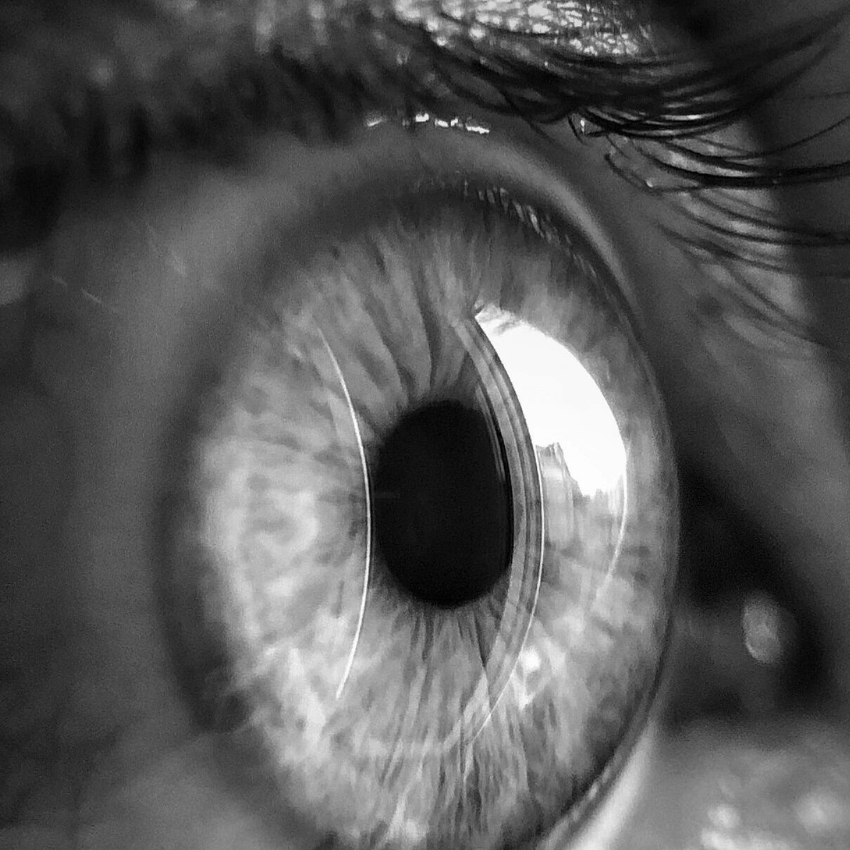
(562, 403)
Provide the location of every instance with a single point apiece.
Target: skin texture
(97, 728)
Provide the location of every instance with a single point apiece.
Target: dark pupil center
(443, 505)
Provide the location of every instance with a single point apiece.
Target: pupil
(443, 504)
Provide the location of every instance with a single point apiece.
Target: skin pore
(105, 752)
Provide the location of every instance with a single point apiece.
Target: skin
(85, 401)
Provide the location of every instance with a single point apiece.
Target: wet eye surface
(420, 537)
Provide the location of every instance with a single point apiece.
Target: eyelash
(655, 111)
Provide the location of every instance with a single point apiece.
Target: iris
(430, 581)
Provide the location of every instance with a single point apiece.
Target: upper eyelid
(128, 111)
(113, 82)
(97, 91)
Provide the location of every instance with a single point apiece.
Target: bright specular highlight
(561, 402)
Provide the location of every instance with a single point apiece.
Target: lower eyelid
(604, 827)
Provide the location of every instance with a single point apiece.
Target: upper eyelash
(655, 109)
(218, 77)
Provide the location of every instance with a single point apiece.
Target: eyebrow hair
(91, 88)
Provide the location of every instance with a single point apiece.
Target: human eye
(103, 743)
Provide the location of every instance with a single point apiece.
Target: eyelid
(604, 825)
(204, 78)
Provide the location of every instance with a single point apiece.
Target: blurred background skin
(73, 507)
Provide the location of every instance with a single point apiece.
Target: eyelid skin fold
(94, 92)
